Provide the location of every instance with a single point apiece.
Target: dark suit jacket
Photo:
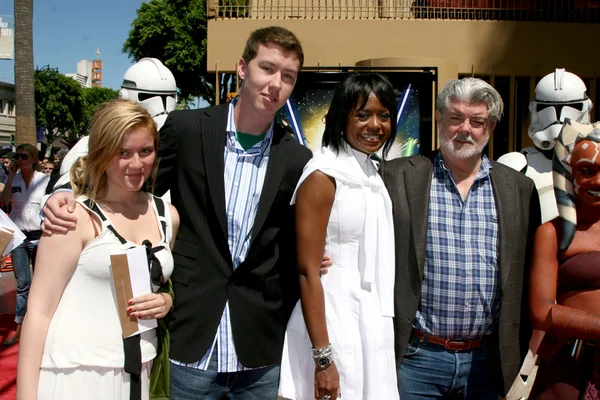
(408, 181)
(264, 288)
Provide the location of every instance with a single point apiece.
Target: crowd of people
(277, 272)
(25, 179)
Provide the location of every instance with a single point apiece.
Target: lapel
(505, 197)
(276, 167)
(213, 147)
(417, 183)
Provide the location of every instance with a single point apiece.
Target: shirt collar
(265, 144)
(484, 169)
(364, 160)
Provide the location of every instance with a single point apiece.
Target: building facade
(510, 43)
(7, 113)
(89, 73)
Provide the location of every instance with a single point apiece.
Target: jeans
(190, 383)
(428, 371)
(21, 256)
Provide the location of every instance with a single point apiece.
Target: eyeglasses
(475, 122)
(21, 155)
(48, 168)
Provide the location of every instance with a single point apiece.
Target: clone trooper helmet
(558, 95)
(151, 84)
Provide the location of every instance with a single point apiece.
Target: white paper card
(139, 274)
(7, 225)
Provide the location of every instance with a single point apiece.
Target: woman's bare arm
(56, 260)
(546, 315)
(313, 207)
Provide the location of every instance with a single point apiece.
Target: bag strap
(160, 207)
(94, 207)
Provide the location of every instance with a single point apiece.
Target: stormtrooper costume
(147, 82)
(558, 95)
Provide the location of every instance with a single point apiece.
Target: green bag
(159, 376)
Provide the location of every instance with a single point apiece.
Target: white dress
(83, 354)
(358, 287)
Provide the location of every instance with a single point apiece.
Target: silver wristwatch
(323, 357)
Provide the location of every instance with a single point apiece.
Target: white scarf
(376, 257)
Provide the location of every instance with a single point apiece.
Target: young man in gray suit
(463, 229)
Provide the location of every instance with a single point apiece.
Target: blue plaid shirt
(460, 293)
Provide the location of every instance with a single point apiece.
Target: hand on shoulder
(84, 227)
(59, 219)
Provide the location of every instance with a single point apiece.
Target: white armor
(147, 82)
(558, 95)
(151, 84)
(538, 167)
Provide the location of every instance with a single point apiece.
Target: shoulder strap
(160, 207)
(94, 207)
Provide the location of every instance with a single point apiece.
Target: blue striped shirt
(244, 177)
(460, 292)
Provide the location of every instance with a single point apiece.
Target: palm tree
(24, 89)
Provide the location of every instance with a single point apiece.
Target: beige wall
(482, 47)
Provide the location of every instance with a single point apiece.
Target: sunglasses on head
(21, 155)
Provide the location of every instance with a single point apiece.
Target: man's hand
(325, 264)
(58, 219)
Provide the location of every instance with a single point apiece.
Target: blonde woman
(72, 345)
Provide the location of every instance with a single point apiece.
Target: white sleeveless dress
(83, 354)
(358, 288)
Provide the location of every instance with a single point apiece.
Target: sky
(67, 31)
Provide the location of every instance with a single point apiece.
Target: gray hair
(471, 91)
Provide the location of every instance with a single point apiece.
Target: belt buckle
(457, 345)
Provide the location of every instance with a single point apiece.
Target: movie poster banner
(304, 114)
(7, 37)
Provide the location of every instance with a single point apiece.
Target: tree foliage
(94, 97)
(63, 108)
(59, 104)
(174, 31)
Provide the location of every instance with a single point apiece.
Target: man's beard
(468, 149)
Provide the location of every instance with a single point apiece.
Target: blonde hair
(111, 123)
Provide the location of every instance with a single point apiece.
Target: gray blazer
(408, 181)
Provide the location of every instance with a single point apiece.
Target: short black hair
(355, 88)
